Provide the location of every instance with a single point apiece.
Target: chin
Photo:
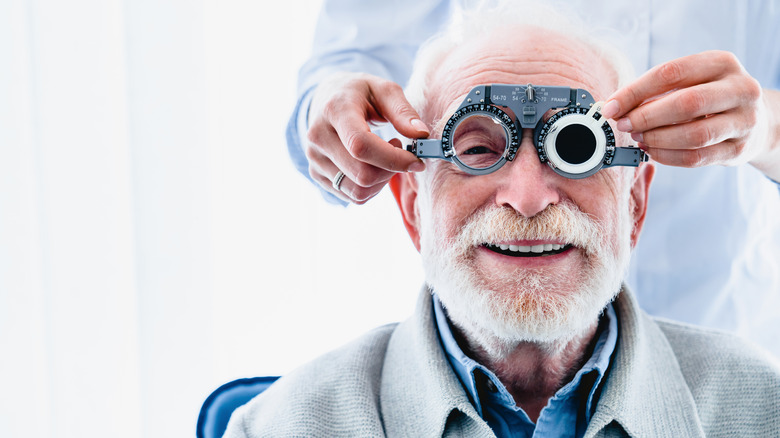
(525, 306)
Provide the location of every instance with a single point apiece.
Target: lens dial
(480, 138)
(575, 144)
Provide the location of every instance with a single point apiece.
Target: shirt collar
(467, 368)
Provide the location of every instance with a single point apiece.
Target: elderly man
(523, 328)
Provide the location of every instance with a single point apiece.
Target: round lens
(575, 144)
(480, 141)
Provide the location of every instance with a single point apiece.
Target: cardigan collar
(644, 392)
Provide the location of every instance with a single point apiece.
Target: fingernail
(610, 109)
(638, 136)
(419, 125)
(624, 124)
(417, 166)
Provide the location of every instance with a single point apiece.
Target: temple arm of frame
(627, 157)
(426, 148)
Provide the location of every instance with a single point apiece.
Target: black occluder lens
(575, 144)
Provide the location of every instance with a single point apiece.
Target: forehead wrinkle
(564, 71)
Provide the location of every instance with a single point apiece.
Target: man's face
(479, 236)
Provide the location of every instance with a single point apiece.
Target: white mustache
(563, 222)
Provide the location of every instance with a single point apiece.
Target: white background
(155, 240)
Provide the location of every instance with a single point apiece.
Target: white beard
(497, 312)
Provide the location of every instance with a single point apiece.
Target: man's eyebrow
(438, 125)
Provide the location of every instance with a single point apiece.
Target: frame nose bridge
(527, 154)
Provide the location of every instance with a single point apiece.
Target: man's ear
(640, 191)
(404, 188)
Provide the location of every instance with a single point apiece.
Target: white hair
(482, 17)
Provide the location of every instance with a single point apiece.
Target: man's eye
(478, 150)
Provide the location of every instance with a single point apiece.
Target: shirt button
(491, 386)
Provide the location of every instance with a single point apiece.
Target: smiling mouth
(527, 251)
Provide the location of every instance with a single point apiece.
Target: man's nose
(527, 185)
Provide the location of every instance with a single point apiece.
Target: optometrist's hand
(701, 110)
(340, 139)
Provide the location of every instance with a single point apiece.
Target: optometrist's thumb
(391, 103)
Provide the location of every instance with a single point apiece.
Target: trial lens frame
(529, 104)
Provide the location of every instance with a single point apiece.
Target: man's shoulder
(335, 394)
(728, 376)
(705, 347)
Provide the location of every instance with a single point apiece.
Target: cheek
(616, 207)
(454, 197)
(605, 188)
(603, 196)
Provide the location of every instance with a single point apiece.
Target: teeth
(534, 249)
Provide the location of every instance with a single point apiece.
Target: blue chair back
(216, 410)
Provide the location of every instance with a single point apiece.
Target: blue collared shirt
(566, 415)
